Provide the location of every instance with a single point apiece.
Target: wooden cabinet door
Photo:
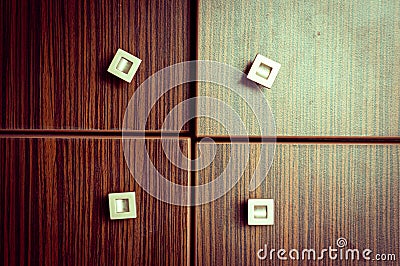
(322, 194)
(55, 54)
(340, 63)
(54, 207)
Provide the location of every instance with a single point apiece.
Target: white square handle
(260, 212)
(122, 205)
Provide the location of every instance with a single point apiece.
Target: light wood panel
(54, 57)
(321, 193)
(54, 205)
(340, 63)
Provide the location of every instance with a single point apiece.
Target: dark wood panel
(54, 57)
(340, 63)
(321, 193)
(54, 205)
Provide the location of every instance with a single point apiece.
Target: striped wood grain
(321, 193)
(54, 206)
(340, 63)
(54, 57)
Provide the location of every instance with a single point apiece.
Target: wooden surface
(321, 193)
(54, 205)
(339, 77)
(340, 63)
(54, 57)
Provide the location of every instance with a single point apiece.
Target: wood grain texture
(54, 205)
(340, 62)
(54, 57)
(321, 193)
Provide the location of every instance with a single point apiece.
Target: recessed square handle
(124, 65)
(264, 71)
(260, 212)
(122, 205)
